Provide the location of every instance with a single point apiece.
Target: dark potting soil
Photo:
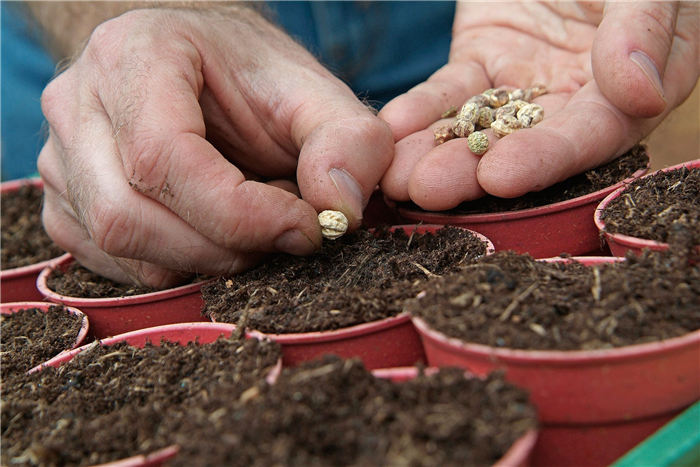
(359, 278)
(655, 206)
(509, 300)
(24, 240)
(332, 412)
(77, 281)
(113, 402)
(32, 336)
(579, 185)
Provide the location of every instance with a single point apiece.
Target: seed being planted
(478, 143)
(333, 224)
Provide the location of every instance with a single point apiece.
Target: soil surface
(359, 278)
(77, 281)
(513, 301)
(32, 336)
(579, 185)
(114, 402)
(24, 240)
(654, 207)
(333, 412)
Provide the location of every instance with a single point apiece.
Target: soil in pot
(24, 240)
(31, 336)
(77, 281)
(359, 278)
(111, 402)
(656, 206)
(579, 185)
(512, 301)
(333, 412)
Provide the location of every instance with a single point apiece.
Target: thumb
(346, 149)
(630, 52)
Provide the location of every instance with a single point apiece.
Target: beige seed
(333, 224)
(450, 113)
(444, 134)
(486, 117)
(538, 90)
(469, 111)
(530, 115)
(521, 95)
(480, 99)
(462, 128)
(478, 143)
(505, 126)
(508, 110)
(499, 97)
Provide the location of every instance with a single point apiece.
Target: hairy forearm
(68, 24)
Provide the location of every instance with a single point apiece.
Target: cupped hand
(613, 72)
(178, 139)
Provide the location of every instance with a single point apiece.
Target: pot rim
(563, 357)
(437, 216)
(152, 459)
(628, 240)
(13, 307)
(43, 288)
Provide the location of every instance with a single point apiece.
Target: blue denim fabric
(25, 70)
(380, 49)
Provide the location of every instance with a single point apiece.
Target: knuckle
(112, 228)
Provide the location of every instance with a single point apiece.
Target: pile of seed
(502, 111)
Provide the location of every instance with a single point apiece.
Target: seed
(333, 224)
(508, 110)
(462, 127)
(444, 134)
(499, 97)
(505, 126)
(450, 113)
(530, 115)
(469, 111)
(480, 99)
(538, 90)
(486, 117)
(478, 143)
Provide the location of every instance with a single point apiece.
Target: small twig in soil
(517, 300)
(425, 271)
(597, 288)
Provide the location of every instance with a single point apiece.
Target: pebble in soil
(653, 207)
(359, 278)
(24, 240)
(510, 300)
(113, 402)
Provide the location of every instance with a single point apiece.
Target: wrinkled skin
(165, 129)
(600, 102)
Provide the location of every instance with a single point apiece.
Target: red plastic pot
(19, 284)
(9, 308)
(519, 453)
(390, 342)
(620, 244)
(203, 333)
(595, 405)
(543, 232)
(112, 316)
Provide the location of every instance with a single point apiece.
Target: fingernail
(349, 190)
(294, 242)
(649, 69)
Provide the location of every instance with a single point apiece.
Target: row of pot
(573, 227)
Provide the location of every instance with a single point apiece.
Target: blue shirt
(380, 49)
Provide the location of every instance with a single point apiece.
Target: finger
(630, 52)
(346, 151)
(452, 85)
(589, 132)
(409, 151)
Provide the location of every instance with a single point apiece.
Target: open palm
(601, 101)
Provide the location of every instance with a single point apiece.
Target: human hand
(165, 130)
(604, 94)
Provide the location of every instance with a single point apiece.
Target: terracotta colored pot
(620, 244)
(9, 308)
(112, 316)
(594, 405)
(390, 342)
(519, 453)
(543, 232)
(183, 333)
(19, 284)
